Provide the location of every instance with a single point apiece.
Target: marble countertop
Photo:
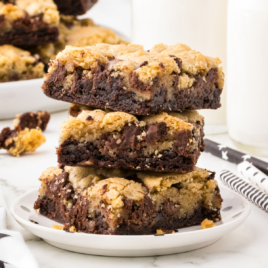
(244, 247)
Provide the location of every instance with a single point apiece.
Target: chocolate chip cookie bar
(160, 143)
(74, 7)
(77, 32)
(32, 120)
(18, 141)
(17, 64)
(102, 201)
(127, 78)
(28, 22)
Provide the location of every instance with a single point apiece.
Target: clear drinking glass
(247, 67)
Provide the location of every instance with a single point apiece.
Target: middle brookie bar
(109, 201)
(129, 79)
(160, 143)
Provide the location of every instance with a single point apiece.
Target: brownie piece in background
(32, 120)
(74, 7)
(18, 141)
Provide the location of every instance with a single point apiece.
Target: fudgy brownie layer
(104, 212)
(74, 7)
(105, 91)
(28, 31)
(72, 153)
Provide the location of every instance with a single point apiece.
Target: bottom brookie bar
(107, 201)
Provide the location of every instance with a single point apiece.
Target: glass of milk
(200, 24)
(247, 60)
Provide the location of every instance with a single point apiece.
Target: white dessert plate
(234, 211)
(26, 96)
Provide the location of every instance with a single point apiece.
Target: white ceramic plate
(26, 96)
(235, 210)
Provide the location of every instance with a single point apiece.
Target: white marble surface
(244, 247)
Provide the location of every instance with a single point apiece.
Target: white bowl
(26, 96)
(235, 210)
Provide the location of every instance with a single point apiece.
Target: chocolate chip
(177, 185)
(89, 118)
(144, 63)
(104, 189)
(177, 60)
(110, 58)
(161, 65)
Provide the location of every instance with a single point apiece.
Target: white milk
(200, 24)
(247, 58)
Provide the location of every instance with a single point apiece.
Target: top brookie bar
(160, 143)
(127, 78)
(28, 22)
(74, 7)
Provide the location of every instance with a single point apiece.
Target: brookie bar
(160, 143)
(28, 22)
(127, 78)
(103, 201)
(74, 7)
(32, 120)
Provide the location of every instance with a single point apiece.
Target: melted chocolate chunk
(67, 191)
(156, 132)
(181, 142)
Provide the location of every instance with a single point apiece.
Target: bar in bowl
(28, 22)
(17, 64)
(77, 32)
(129, 79)
(101, 201)
(160, 143)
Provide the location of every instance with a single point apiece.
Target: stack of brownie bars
(128, 150)
(33, 31)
